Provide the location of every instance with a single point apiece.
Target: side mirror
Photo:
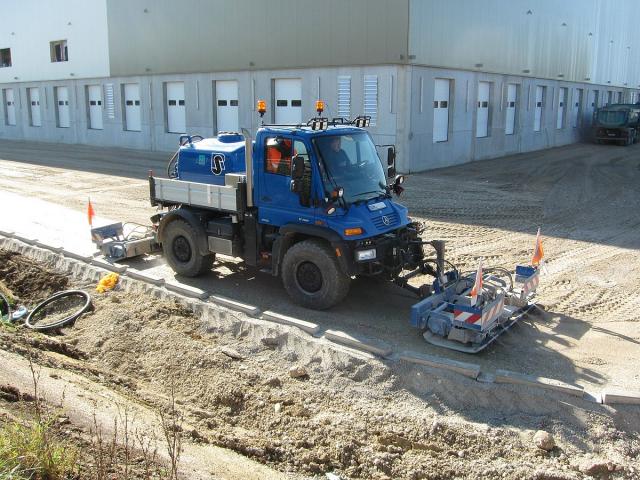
(391, 172)
(391, 156)
(297, 170)
(397, 185)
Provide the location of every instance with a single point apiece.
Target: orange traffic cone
(538, 253)
(476, 291)
(90, 213)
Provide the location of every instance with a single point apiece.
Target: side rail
(169, 192)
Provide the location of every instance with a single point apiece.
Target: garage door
(482, 113)
(132, 115)
(34, 101)
(562, 95)
(227, 106)
(510, 120)
(288, 92)
(176, 112)
(441, 110)
(62, 102)
(94, 92)
(577, 102)
(537, 120)
(10, 106)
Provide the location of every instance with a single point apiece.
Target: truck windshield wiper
(379, 194)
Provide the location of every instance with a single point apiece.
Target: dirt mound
(28, 280)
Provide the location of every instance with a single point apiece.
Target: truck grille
(392, 219)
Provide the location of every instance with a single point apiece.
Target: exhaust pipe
(248, 163)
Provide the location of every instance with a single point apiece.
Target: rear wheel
(180, 248)
(312, 277)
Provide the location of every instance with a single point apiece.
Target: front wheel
(180, 248)
(312, 277)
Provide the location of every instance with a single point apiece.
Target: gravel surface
(304, 407)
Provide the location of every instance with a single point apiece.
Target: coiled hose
(63, 322)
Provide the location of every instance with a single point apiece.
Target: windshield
(612, 117)
(351, 162)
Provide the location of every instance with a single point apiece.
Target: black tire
(312, 277)
(180, 248)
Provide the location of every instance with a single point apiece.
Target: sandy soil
(584, 197)
(357, 417)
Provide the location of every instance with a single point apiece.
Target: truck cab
(618, 123)
(313, 205)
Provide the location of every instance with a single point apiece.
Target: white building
(447, 82)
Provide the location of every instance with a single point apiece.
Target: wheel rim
(309, 277)
(182, 249)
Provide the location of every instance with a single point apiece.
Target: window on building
(5, 57)
(371, 98)
(59, 52)
(344, 96)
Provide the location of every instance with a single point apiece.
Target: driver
(335, 156)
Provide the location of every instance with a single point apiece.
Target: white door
(441, 110)
(34, 100)
(482, 113)
(132, 116)
(594, 99)
(537, 119)
(561, 99)
(288, 93)
(62, 97)
(176, 112)
(510, 121)
(227, 106)
(619, 97)
(609, 97)
(10, 104)
(95, 106)
(575, 113)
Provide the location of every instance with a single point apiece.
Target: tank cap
(230, 137)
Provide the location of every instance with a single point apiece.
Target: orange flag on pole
(476, 291)
(538, 253)
(90, 213)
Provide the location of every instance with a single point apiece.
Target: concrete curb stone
(7, 233)
(506, 376)
(186, 290)
(112, 267)
(368, 345)
(27, 240)
(144, 276)
(470, 370)
(308, 327)
(235, 305)
(75, 255)
(46, 246)
(612, 396)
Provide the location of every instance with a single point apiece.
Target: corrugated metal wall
(578, 40)
(165, 36)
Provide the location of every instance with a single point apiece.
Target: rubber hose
(64, 321)
(6, 301)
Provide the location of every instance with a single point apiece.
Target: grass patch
(33, 451)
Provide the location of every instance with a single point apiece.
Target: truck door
(277, 204)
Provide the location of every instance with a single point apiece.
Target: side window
(299, 148)
(277, 156)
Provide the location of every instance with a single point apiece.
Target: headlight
(363, 255)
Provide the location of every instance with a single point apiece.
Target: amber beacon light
(262, 107)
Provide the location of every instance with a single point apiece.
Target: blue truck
(311, 203)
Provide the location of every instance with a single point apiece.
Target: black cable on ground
(6, 301)
(65, 321)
